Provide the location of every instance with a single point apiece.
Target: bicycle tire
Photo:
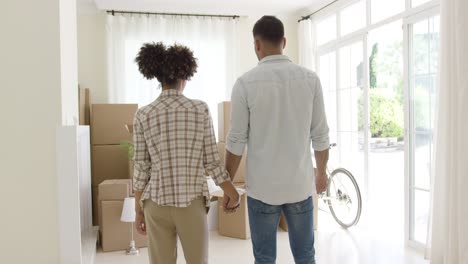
(358, 192)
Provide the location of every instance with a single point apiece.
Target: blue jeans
(264, 220)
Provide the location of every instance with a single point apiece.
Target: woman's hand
(231, 197)
(140, 222)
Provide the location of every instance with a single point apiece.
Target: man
(278, 110)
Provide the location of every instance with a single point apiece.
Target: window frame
(408, 16)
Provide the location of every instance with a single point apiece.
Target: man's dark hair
(270, 29)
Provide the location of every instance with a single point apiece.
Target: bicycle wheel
(345, 200)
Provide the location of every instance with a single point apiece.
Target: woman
(175, 147)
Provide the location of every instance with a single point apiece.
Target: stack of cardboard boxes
(109, 160)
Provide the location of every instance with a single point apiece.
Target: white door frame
(409, 177)
(335, 47)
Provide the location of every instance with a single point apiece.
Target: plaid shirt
(175, 146)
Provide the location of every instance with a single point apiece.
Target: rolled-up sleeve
(319, 131)
(239, 131)
(211, 159)
(142, 159)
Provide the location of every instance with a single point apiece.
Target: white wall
(39, 92)
(92, 54)
(30, 112)
(92, 49)
(68, 60)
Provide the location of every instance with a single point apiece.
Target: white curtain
(214, 42)
(449, 236)
(307, 44)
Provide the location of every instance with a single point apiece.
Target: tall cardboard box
(108, 123)
(242, 170)
(224, 120)
(109, 162)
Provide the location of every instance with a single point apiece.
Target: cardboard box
(116, 235)
(236, 224)
(224, 120)
(242, 170)
(111, 190)
(84, 106)
(108, 123)
(95, 197)
(283, 224)
(109, 162)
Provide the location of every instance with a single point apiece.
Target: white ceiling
(221, 7)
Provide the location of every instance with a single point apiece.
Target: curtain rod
(113, 12)
(308, 16)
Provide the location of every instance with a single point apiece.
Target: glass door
(351, 110)
(387, 141)
(423, 36)
(342, 74)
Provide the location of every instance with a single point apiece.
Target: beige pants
(165, 223)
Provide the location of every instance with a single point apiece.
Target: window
(326, 30)
(353, 17)
(211, 70)
(366, 100)
(350, 110)
(212, 41)
(382, 9)
(327, 73)
(415, 3)
(423, 71)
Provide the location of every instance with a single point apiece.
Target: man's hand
(321, 179)
(321, 182)
(230, 205)
(140, 223)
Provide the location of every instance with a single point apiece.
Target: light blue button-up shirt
(278, 111)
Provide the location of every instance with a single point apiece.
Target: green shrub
(386, 115)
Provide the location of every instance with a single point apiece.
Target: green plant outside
(386, 115)
(385, 93)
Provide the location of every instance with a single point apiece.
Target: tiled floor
(360, 245)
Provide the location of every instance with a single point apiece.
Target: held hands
(230, 204)
(321, 182)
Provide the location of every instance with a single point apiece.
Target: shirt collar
(276, 58)
(170, 93)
